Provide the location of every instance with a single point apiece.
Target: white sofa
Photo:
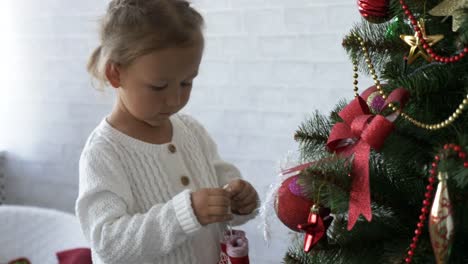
(37, 233)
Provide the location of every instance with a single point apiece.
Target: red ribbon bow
(360, 132)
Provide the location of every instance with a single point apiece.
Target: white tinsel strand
(267, 210)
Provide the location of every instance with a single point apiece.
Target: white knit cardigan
(133, 206)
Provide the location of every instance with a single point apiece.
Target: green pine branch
(399, 172)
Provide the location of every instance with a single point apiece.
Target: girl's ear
(113, 74)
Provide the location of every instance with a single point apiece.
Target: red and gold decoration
(457, 9)
(434, 126)
(416, 44)
(375, 11)
(425, 45)
(360, 132)
(440, 220)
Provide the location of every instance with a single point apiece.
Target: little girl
(153, 188)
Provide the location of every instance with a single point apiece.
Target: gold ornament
(457, 9)
(441, 227)
(415, 43)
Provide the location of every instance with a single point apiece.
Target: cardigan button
(172, 148)
(185, 180)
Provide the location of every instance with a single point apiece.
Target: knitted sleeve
(225, 171)
(115, 234)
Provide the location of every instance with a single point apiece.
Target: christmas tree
(384, 176)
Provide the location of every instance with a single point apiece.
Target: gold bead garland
(420, 124)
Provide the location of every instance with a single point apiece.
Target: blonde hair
(133, 28)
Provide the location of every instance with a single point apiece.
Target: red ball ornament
(292, 210)
(375, 11)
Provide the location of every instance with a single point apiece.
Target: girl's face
(157, 85)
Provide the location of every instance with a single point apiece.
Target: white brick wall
(268, 64)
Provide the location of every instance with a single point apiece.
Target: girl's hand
(244, 198)
(211, 205)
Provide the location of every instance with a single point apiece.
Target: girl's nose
(173, 97)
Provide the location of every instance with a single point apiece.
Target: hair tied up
(119, 4)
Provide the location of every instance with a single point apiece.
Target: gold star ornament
(416, 45)
(457, 9)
